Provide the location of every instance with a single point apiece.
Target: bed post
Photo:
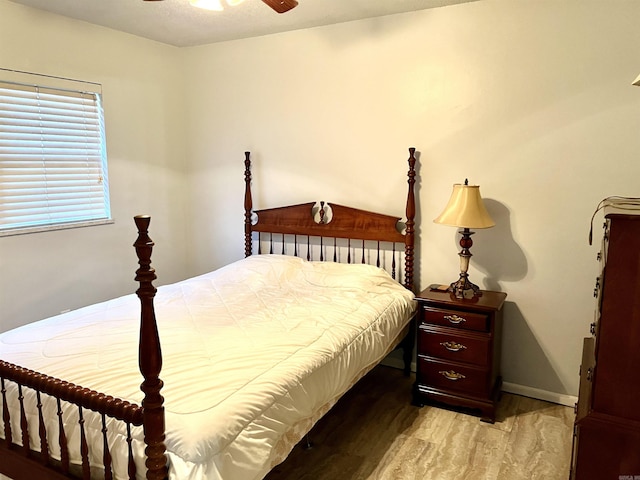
(410, 226)
(150, 357)
(409, 240)
(248, 204)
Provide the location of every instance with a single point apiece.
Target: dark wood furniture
(22, 461)
(607, 427)
(458, 361)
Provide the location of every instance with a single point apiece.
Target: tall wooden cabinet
(606, 441)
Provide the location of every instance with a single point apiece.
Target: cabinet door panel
(586, 377)
(606, 451)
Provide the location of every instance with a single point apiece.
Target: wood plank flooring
(374, 433)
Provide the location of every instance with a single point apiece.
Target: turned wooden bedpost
(410, 228)
(248, 204)
(150, 357)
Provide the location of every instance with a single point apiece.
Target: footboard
(53, 429)
(49, 458)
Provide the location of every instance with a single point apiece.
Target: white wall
(530, 99)
(42, 274)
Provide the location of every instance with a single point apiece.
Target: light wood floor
(374, 433)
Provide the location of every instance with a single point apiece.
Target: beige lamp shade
(637, 81)
(465, 209)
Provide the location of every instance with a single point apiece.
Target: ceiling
(176, 22)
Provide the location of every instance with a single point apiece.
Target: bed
(253, 354)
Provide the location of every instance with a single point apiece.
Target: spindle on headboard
(150, 357)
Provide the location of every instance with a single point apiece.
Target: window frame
(71, 150)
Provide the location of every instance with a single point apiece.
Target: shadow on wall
(495, 253)
(524, 362)
(499, 257)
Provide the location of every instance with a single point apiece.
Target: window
(53, 162)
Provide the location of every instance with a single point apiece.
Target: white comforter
(254, 354)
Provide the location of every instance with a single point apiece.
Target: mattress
(254, 353)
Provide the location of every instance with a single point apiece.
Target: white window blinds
(53, 171)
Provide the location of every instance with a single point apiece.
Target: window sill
(59, 226)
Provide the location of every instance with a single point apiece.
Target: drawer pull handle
(453, 346)
(455, 319)
(589, 374)
(451, 375)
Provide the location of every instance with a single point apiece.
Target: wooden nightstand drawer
(456, 318)
(456, 377)
(454, 345)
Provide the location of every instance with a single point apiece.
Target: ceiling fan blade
(281, 6)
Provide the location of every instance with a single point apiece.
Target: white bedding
(254, 353)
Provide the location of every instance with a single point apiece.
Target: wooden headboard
(328, 222)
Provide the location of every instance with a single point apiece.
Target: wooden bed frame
(20, 462)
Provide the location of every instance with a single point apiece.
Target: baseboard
(537, 393)
(547, 396)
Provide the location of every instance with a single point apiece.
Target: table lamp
(465, 210)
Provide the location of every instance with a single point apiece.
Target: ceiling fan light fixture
(207, 4)
(281, 6)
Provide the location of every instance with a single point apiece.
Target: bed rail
(61, 391)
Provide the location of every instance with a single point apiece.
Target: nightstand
(458, 361)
